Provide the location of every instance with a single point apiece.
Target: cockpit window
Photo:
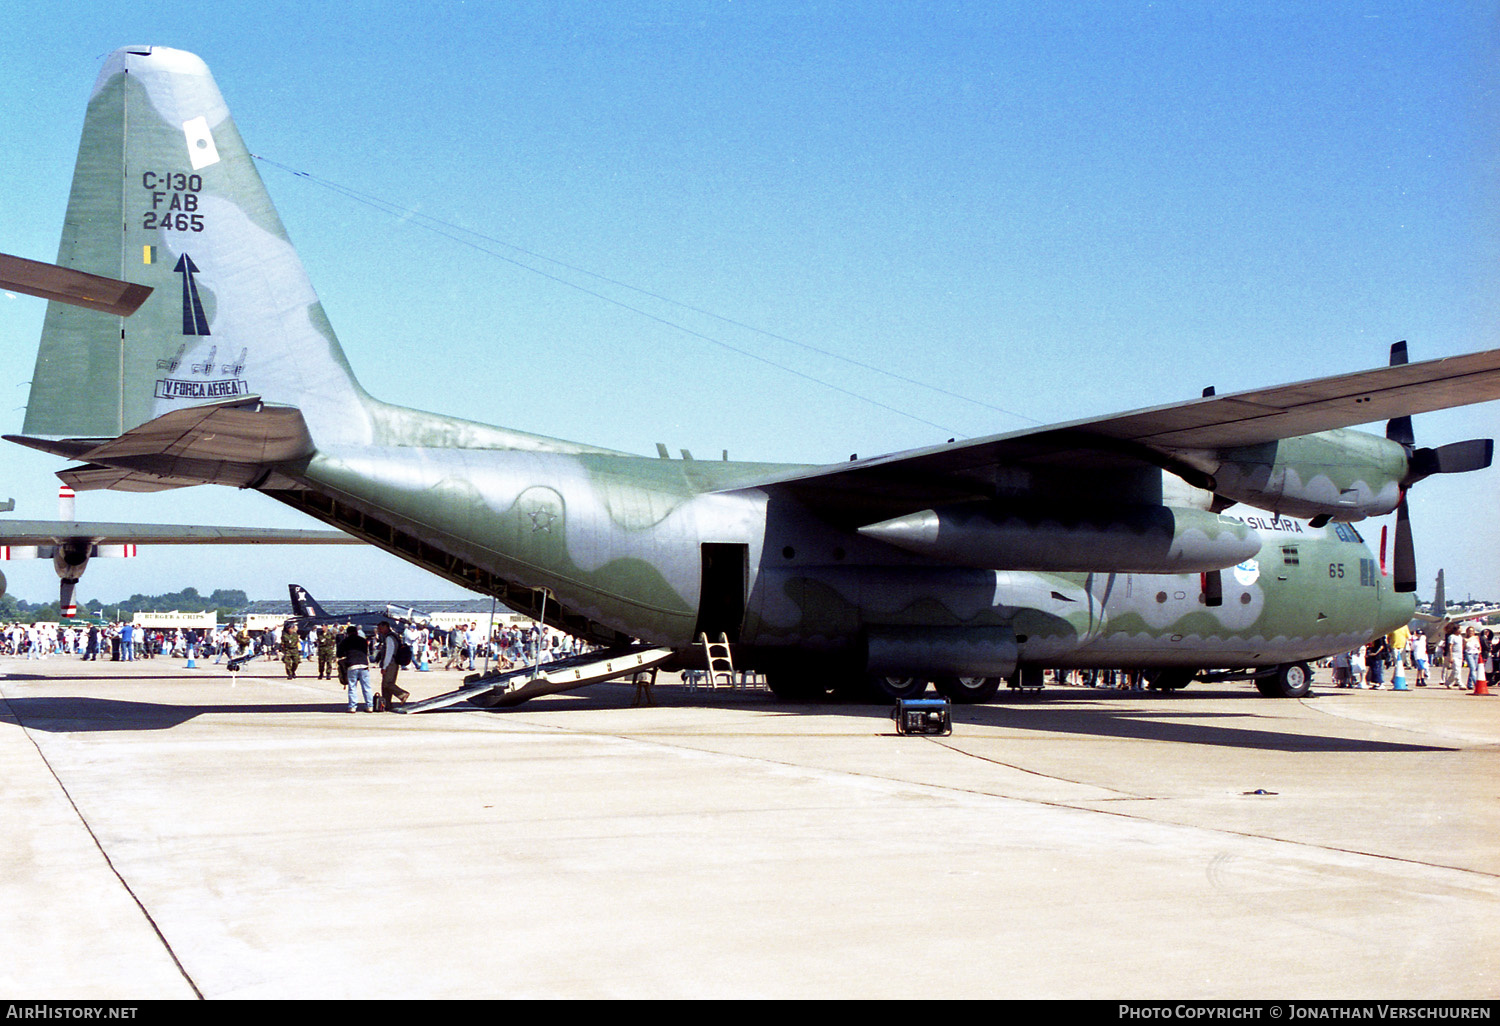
(1346, 532)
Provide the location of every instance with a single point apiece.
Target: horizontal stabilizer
(237, 442)
(68, 448)
(64, 285)
(237, 431)
(93, 478)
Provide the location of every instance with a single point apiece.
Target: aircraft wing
(1150, 437)
(1458, 616)
(56, 532)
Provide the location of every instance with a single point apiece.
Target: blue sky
(1042, 211)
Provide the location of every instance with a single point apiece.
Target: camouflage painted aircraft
(71, 543)
(1105, 542)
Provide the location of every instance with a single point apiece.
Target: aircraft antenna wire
(447, 229)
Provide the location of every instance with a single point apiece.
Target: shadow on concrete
(184, 677)
(1146, 724)
(1123, 715)
(1127, 715)
(63, 714)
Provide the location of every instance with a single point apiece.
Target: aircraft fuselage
(664, 550)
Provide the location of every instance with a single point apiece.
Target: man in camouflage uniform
(291, 649)
(327, 643)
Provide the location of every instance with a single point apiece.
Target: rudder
(165, 194)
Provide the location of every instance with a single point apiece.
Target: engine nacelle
(1344, 475)
(69, 560)
(1124, 539)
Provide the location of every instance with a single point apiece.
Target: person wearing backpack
(388, 647)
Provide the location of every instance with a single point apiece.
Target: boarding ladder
(718, 660)
(516, 685)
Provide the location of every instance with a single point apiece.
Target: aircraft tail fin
(303, 604)
(232, 313)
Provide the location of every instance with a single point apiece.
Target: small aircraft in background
(1434, 623)
(308, 614)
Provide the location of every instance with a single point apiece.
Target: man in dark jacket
(355, 657)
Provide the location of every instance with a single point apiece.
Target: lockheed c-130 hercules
(1105, 542)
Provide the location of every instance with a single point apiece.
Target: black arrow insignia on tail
(193, 320)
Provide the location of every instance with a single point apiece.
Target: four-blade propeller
(1453, 458)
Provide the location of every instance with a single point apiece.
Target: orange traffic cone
(1480, 686)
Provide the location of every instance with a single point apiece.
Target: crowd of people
(464, 647)
(346, 654)
(114, 641)
(1464, 659)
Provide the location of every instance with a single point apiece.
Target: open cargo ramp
(512, 687)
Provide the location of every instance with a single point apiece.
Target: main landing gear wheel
(967, 690)
(894, 688)
(1291, 680)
